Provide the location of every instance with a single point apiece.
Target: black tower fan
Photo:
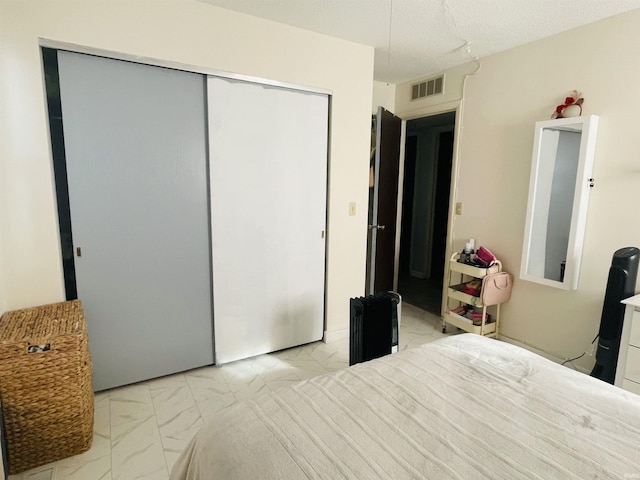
(621, 285)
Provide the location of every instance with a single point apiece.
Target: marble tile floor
(140, 429)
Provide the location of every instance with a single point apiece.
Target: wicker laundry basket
(45, 384)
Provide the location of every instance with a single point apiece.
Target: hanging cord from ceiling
(466, 45)
(389, 38)
(454, 29)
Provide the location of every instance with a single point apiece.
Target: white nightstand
(628, 369)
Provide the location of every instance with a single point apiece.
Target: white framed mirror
(563, 152)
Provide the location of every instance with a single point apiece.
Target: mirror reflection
(563, 152)
(556, 182)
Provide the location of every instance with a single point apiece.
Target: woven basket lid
(64, 318)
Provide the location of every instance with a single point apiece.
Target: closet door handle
(376, 227)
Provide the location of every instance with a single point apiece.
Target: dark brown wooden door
(383, 206)
(441, 208)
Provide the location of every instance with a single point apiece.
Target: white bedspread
(465, 407)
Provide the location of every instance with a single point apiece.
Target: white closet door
(268, 167)
(135, 142)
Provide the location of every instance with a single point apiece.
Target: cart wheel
(444, 329)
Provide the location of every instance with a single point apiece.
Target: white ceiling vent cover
(428, 88)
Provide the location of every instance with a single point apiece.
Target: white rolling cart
(459, 274)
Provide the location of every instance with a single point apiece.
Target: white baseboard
(542, 353)
(520, 343)
(335, 335)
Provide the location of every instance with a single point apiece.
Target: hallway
(422, 293)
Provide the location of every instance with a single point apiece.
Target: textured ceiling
(428, 36)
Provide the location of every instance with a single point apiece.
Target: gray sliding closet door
(268, 157)
(135, 142)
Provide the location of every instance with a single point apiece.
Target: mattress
(464, 407)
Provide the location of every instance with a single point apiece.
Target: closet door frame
(70, 47)
(155, 62)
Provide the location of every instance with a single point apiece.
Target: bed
(464, 407)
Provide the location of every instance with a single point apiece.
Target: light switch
(459, 208)
(352, 209)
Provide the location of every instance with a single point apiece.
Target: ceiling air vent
(433, 86)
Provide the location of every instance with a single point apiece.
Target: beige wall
(384, 95)
(448, 101)
(187, 32)
(513, 90)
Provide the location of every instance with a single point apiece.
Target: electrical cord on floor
(583, 353)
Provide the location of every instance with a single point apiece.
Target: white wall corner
(384, 95)
(544, 354)
(331, 336)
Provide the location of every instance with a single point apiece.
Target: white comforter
(465, 407)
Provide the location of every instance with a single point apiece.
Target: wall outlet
(589, 351)
(459, 208)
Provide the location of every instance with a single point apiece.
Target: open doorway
(425, 210)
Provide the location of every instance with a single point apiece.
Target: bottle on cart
(465, 255)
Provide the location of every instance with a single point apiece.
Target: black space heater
(621, 285)
(374, 324)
